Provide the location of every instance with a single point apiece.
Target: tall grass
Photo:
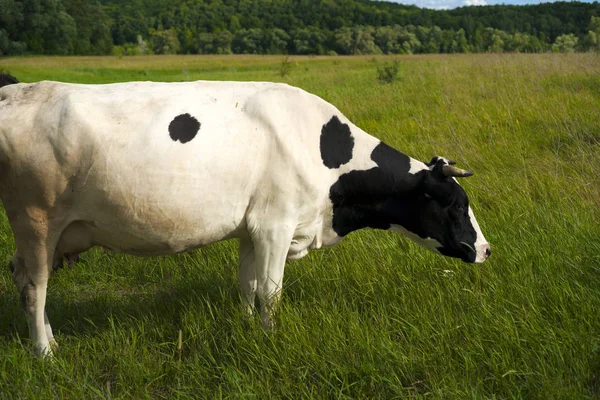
(375, 316)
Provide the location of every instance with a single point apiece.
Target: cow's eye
(460, 209)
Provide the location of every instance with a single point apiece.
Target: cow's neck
(362, 195)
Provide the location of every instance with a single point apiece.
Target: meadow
(376, 316)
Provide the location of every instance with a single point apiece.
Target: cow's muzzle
(483, 252)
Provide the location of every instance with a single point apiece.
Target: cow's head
(423, 201)
(437, 214)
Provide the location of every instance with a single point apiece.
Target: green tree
(93, 32)
(309, 40)
(11, 17)
(43, 25)
(356, 40)
(591, 41)
(494, 40)
(223, 41)
(206, 43)
(164, 41)
(276, 41)
(387, 39)
(248, 41)
(460, 42)
(477, 40)
(409, 40)
(10, 47)
(565, 44)
(595, 24)
(188, 42)
(234, 23)
(128, 20)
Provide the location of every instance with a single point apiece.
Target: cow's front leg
(271, 248)
(247, 275)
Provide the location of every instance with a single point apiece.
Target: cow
(149, 168)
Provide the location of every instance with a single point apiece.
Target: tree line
(128, 27)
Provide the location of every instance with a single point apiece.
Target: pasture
(375, 316)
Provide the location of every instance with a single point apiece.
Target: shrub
(285, 66)
(389, 72)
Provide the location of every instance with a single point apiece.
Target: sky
(448, 4)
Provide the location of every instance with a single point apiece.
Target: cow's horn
(450, 170)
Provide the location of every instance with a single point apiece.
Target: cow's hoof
(44, 353)
(268, 323)
(53, 344)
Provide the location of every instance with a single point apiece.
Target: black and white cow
(159, 168)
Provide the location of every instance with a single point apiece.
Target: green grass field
(375, 316)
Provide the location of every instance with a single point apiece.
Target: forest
(319, 27)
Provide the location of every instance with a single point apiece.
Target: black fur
(336, 143)
(6, 80)
(184, 128)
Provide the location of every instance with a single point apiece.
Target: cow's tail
(6, 79)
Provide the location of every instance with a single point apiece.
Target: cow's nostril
(488, 251)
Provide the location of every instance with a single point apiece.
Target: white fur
(428, 243)
(481, 245)
(416, 166)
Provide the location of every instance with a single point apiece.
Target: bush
(285, 66)
(389, 72)
(118, 51)
(127, 49)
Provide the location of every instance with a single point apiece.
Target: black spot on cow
(184, 128)
(426, 203)
(336, 143)
(6, 80)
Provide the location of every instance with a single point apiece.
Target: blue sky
(448, 4)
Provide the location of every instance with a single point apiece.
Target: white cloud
(449, 4)
(435, 4)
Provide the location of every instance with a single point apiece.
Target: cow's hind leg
(271, 249)
(49, 334)
(30, 275)
(247, 275)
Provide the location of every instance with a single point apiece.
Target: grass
(375, 316)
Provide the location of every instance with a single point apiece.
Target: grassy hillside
(375, 316)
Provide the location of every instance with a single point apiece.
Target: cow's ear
(438, 169)
(435, 185)
(434, 161)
